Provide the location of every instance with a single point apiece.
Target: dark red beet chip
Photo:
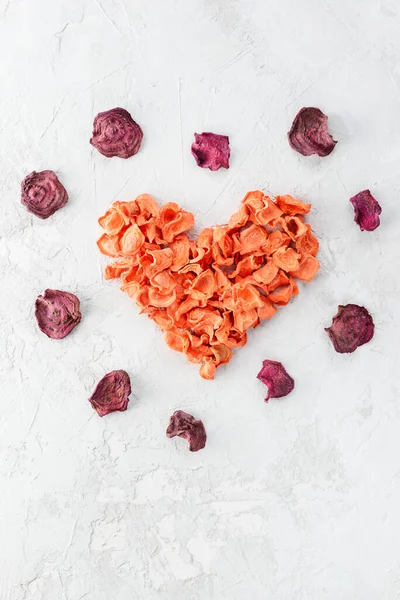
(211, 150)
(42, 193)
(184, 425)
(309, 133)
(111, 393)
(57, 313)
(366, 210)
(274, 375)
(351, 327)
(115, 133)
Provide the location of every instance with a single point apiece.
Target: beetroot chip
(43, 194)
(57, 313)
(274, 375)
(186, 426)
(111, 393)
(115, 133)
(351, 327)
(309, 133)
(211, 150)
(366, 210)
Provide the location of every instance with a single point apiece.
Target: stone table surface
(294, 499)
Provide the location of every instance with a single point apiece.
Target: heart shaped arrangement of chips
(206, 293)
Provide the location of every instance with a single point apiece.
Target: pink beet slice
(211, 150)
(309, 133)
(115, 133)
(111, 393)
(351, 327)
(57, 313)
(366, 211)
(42, 193)
(186, 426)
(274, 375)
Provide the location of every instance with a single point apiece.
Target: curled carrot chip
(266, 274)
(252, 238)
(109, 245)
(147, 206)
(254, 201)
(292, 207)
(308, 268)
(204, 285)
(266, 310)
(173, 221)
(207, 369)
(287, 259)
(113, 221)
(115, 270)
(307, 243)
(282, 294)
(266, 215)
(160, 300)
(295, 227)
(238, 219)
(206, 293)
(277, 239)
(131, 241)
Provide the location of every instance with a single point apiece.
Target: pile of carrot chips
(206, 293)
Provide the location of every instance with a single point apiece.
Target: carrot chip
(205, 294)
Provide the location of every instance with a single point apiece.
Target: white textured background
(295, 499)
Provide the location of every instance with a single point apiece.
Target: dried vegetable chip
(211, 150)
(309, 133)
(366, 210)
(111, 393)
(206, 294)
(42, 193)
(57, 313)
(351, 327)
(274, 375)
(115, 133)
(186, 426)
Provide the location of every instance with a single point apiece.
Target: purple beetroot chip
(309, 133)
(111, 393)
(366, 210)
(274, 375)
(184, 425)
(57, 313)
(115, 133)
(211, 150)
(351, 327)
(42, 193)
